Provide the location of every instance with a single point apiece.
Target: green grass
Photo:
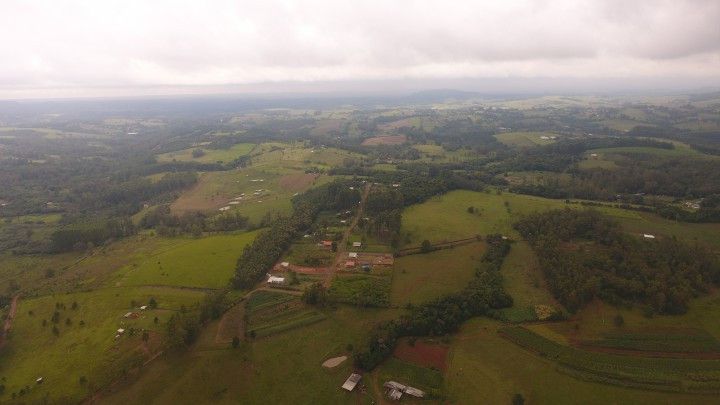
(426, 379)
(210, 156)
(286, 321)
(309, 254)
(679, 375)
(662, 340)
(251, 373)
(525, 139)
(445, 218)
(485, 368)
(524, 281)
(88, 350)
(205, 262)
(361, 290)
(264, 299)
(422, 277)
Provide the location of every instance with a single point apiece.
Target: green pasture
(84, 347)
(486, 368)
(525, 139)
(210, 156)
(204, 262)
(422, 277)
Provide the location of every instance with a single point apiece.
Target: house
(144, 307)
(224, 208)
(353, 255)
(545, 138)
(39, 380)
(351, 382)
(648, 236)
(357, 244)
(128, 315)
(276, 280)
(120, 331)
(285, 264)
(326, 243)
(350, 263)
(395, 390)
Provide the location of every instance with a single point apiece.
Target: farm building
(326, 243)
(276, 280)
(648, 236)
(351, 382)
(350, 263)
(354, 255)
(144, 307)
(285, 264)
(395, 390)
(357, 244)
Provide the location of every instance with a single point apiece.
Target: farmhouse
(351, 382)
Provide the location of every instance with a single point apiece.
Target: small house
(39, 380)
(285, 264)
(276, 280)
(353, 255)
(120, 331)
(351, 382)
(144, 307)
(350, 263)
(326, 243)
(648, 236)
(357, 244)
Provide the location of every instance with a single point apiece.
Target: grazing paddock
(422, 277)
(207, 262)
(385, 140)
(84, 346)
(210, 155)
(525, 139)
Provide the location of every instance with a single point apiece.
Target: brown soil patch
(297, 182)
(385, 140)
(423, 354)
(401, 123)
(302, 269)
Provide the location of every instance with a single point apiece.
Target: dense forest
(586, 255)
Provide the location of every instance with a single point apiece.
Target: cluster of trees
(444, 315)
(85, 235)
(169, 224)
(586, 255)
(183, 327)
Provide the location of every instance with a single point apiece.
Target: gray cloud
(48, 44)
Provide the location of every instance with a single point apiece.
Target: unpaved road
(8, 321)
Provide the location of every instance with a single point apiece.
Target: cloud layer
(75, 44)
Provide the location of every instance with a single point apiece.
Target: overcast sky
(54, 48)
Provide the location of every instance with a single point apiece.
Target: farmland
(209, 155)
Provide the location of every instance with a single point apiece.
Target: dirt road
(8, 321)
(341, 255)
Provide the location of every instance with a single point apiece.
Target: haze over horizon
(135, 48)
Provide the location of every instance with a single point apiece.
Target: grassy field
(85, 346)
(210, 156)
(419, 278)
(361, 290)
(670, 375)
(524, 281)
(525, 139)
(485, 368)
(205, 262)
(426, 379)
(446, 218)
(219, 189)
(249, 374)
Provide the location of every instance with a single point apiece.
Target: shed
(648, 236)
(357, 244)
(39, 380)
(350, 263)
(144, 307)
(351, 382)
(285, 264)
(353, 255)
(120, 331)
(414, 392)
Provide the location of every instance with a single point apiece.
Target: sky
(72, 48)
